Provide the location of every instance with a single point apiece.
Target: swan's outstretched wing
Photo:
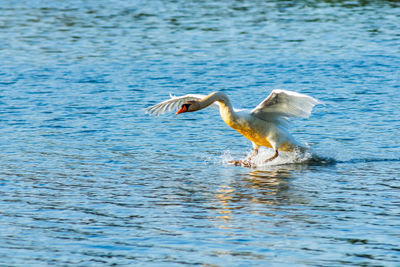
(174, 104)
(281, 104)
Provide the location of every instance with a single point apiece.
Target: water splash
(306, 157)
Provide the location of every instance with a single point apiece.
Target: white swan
(265, 125)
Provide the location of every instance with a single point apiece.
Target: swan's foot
(235, 162)
(246, 162)
(274, 156)
(243, 163)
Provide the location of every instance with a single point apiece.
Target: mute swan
(265, 125)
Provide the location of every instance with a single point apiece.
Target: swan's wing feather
(174, 104)
(282, 104)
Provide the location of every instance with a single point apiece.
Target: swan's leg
(276, 153)
(247, 162)
(274, 156)
(255, 152)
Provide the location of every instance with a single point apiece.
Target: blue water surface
(88, 179)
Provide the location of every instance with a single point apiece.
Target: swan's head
(189, 106)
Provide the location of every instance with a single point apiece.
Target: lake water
(88, 179)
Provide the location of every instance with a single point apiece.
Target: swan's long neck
(225, 106)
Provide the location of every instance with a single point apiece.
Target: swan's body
(266, 125)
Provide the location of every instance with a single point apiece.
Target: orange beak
(182, 110)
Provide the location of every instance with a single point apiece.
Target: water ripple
(89, 179)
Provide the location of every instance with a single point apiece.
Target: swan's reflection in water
(263, 192)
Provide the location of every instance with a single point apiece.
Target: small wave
(369, 160)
